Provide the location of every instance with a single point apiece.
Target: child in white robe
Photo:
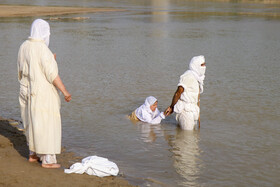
(148, 112)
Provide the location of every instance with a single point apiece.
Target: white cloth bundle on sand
(94, 165)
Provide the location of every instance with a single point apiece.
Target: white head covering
(197, 70)
(40, 30)
(145, 109)
(150, 101)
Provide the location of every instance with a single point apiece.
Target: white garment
(45, 159)
(40, 30)
(186, 107)
(145, 114)
(48, 159)
(23, 101)
(186, 120)
(94, 165)
(197, 70)
(39, 99)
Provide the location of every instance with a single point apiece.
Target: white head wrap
(197, 70)
(40, 30)
(150, 101)
(145, 109)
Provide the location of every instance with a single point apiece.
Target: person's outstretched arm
(59, 84)
(175, 99)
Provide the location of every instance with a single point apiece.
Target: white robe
(148, 116)
(94, 165)
(187, 110)
(145, 114)
(39, 99)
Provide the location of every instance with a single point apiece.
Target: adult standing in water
(39, 99)
(186, 100)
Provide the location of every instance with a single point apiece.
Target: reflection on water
(186, 159)
(184, 146)
(160, 14)
(150, 132)
(160, 11)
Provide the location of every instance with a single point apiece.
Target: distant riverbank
(23, 11)
(7, 11)
(244, 1)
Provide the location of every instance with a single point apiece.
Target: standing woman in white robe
(185, 102)
(38, 98)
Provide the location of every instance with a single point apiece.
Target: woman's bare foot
(33, 158)
(51, 166)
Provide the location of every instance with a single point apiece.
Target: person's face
(204, 64)
(154, 106)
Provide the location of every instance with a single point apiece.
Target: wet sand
(15, 170)
(23, 11)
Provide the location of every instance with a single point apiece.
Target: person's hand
(67, 97)
(168, 111)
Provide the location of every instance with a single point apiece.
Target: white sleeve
(148, 118)
(49, 65)
(182, 82)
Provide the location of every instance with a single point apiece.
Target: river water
(110, 62)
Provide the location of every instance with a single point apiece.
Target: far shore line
(12, 11)
(7, 11)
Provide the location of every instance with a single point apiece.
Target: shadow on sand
(16, 137)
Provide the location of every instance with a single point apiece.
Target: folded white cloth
(94, 165)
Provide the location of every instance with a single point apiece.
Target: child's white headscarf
(197, 70)
(145, 109)
(150, 101)
(40, 30)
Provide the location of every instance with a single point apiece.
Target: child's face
(154, 106)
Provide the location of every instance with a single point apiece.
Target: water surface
(111, 62)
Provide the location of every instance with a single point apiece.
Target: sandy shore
(23, 11)
(15, 170)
